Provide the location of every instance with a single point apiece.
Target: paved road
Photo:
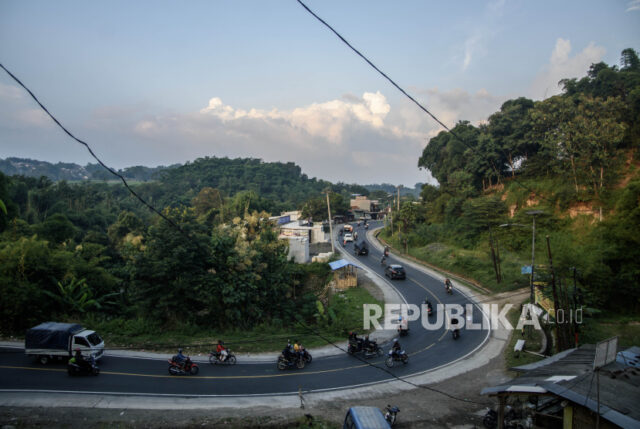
(428, 349)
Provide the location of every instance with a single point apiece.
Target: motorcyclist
(428, 304)
(396, 348)
(288, 351)
(454, 325)
(180, 358)
(222, 351)
(354, 340)
(366, 344)
(80, 360)
(403, 324)
(447, 285)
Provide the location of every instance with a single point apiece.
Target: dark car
(361, 249)
(395, 272)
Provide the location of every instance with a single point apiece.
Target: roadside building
(569, 390)
(306, 238)
(364, 208)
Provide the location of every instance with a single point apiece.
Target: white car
(348, 237)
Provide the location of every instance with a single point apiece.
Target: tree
(508, 128)
(629, 60)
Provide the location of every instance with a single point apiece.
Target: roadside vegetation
(91, 253)
(573, 158)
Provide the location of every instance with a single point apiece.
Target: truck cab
(89, 343)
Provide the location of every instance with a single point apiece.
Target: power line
(187, 235)
(399, 88)
(86, 145)
(391, 373)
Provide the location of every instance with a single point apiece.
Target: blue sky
(155, 83)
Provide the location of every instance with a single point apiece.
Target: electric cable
(174, 225)
(417, 103)
(110, 170)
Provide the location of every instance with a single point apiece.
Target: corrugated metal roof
(336, 265)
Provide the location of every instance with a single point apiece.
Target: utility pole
(333, 249)
(533, 252)
(559, 335)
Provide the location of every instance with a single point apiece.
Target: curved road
(428, 349)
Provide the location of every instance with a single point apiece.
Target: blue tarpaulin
(51, 335)
(336, 265)
(526, 269)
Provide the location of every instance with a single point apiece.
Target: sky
(158, 82)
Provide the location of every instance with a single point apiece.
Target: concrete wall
(298, 249)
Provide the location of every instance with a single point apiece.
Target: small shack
(345, 273)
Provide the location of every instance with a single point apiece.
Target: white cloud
(563, 66)
(10, 92)
(483, 30)
(633, 5)
(363, 139)
(327, 120)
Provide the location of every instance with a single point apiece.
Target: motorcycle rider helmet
(179, 350)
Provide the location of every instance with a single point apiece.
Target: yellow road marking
(201, 377)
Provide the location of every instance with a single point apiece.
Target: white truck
(53, 340)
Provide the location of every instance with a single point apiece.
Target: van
(365, 418)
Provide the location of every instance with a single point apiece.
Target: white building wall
(298, 249)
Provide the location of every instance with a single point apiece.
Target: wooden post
(559, 335)
(502, 400)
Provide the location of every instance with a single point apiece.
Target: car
(395, 272)
(348, 237)
(361, 249)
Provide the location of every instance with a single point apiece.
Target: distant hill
(392, 189)
(72, 172)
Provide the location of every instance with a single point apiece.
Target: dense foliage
(573, 156)
(68, 250)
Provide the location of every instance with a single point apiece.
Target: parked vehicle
(400, 356)
(365, 418)
(89, 367)
(188, 367)
(215, 358)
(395, 271)
(53, 340)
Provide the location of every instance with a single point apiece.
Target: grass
(626, 328)
(471, 264)
(140, 334)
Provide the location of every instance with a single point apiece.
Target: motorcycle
(89, 368)
(284, 363)
(188, 367)
(403, 331)
(400, 356)
(358, 346)
(429, 307)
(390, 414)
(215, 358)
(305, 355)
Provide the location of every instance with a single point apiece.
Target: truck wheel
(43, 359)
